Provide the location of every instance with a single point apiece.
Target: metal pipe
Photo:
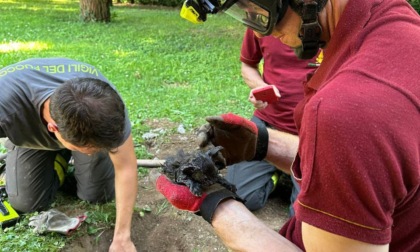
(148, 163)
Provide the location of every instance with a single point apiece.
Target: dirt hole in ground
(164, 228)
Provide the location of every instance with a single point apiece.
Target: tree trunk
(95, 10)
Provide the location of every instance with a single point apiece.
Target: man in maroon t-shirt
(358, 161)
(256, 180)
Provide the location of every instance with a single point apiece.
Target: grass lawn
(163, 66)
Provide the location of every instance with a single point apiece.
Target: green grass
(163, 66)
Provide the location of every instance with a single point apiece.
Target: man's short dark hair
(89, 113)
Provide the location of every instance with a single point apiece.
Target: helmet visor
(252, 15)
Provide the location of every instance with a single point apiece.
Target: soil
(164, 228)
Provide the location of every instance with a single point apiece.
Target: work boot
(2, 173)
(60, 167)
(275, 179)
(283, 187)
(69, 185)
(65, 173)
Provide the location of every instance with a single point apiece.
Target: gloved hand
(242, 139)
(181, 197)
(55, 221)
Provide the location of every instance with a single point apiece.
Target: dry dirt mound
(165, 228)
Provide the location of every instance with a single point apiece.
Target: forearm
(125, 165)
(252, 76)
(125, 198)
(282, 149)
(240, 230)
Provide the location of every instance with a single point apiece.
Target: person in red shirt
(256, 180)
(358, 161)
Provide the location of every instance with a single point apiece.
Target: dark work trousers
(254, 184)
(32, 182)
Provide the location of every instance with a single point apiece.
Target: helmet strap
(283, 9)
(310, 31)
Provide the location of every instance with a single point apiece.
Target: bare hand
(122, 246)
(259, 104)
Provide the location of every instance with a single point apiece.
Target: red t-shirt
(281, 68)
(359, 127)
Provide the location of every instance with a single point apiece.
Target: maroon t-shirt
(359, 127)
(281, 68)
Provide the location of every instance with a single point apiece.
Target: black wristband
(212, 200)
(262, 140)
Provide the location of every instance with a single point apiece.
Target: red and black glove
(181, 197)
(241, 139)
